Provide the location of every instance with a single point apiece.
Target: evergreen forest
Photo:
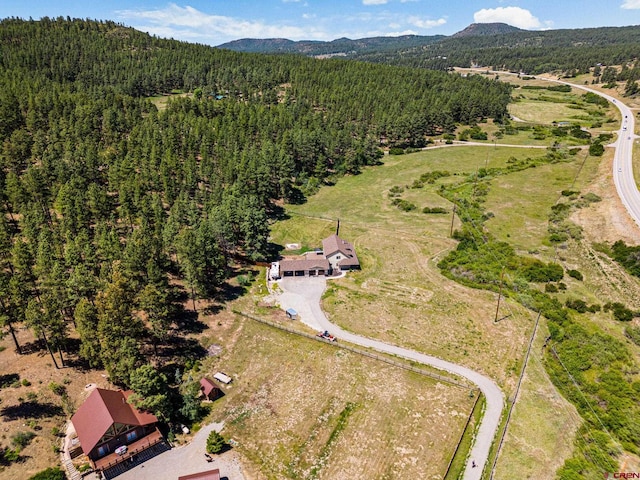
(117, 216)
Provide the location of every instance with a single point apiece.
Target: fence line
(359, 351)
(515, 397)
(464, 430)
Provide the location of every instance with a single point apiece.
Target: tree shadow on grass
(32, 347)
(187, 322)
(8, 379)
(184, 347)
(228, 292)
(31, 410)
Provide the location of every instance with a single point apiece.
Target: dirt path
(305, 293)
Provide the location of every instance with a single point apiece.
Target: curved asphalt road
(623, 158)
(304, 294)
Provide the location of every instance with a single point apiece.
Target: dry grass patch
(29, 405)
(542, 427)
(327, 413)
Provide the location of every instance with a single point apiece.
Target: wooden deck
(134, 448)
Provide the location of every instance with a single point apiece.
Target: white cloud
(397, 34)
(516, 16)
(374, 2)
(188, 23)
(426, 23)
(631, 5)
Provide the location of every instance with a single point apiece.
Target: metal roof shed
(292, 314)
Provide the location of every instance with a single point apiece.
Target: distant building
(111, 431)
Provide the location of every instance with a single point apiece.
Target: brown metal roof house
(340, 253)
(110, 430)
(208, 475)
(210, 390)
(301, 268)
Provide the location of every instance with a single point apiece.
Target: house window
(103, 450)
(131, 436)
(337, 257)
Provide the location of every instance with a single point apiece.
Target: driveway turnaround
(304, 294)
(186, 460)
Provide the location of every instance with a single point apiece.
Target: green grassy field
(328, 413)
(400, 295)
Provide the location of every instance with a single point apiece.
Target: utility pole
(495, 320)
(453, 216)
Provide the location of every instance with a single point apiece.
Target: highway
(623, 157)
(304, 295)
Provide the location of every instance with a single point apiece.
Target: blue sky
(214, 22)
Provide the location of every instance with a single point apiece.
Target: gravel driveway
(304, 295)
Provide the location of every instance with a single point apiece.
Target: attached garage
(303, 268)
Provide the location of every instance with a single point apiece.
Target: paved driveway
(186, 460)
(304, 295)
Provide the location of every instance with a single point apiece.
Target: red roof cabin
(210, 390)
(111, 431)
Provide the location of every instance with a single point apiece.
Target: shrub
(575, 274)
(620, 311)
(11, 455)
(632, 332)
(538, 271)
(550, 288)
(215, 442)
(25, 382)
(396, 151)
(592, 197)
(569, 193)
(22, 439)
(579, 306)
(558, 237)
(57, 388)
(51, 473)
(434, 210)
(596, 149)
(403, 205)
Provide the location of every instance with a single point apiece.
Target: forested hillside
(113, 209)
(567, 51)
(485, 45)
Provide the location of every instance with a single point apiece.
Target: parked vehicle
(327, 336)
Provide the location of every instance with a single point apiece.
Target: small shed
(292, 314)
(210, 390)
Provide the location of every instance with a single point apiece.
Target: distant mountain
(484, 29)
(338, 47)
(495, 45)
